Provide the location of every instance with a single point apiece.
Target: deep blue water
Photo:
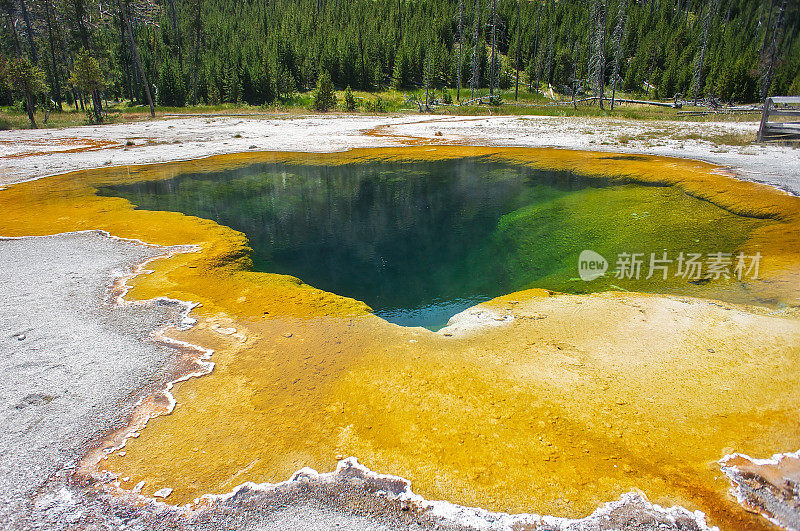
(412, 240)
(422, 241)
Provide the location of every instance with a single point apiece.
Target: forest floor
(27, 153)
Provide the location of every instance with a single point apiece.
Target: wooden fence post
(764, 119)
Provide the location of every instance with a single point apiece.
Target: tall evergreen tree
(254, 51)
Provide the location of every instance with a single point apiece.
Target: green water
(422, 241)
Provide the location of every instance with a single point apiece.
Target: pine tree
(428, 78)
(197, 30)
(54, 66)
(26, 78)
(325, 95)
(171, 91)
(123, 8)
(493, 69)
(88, 78)
(253, 51)
(536, 49)
(349, 100)
(519, 44)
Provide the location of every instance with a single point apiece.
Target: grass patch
(734, 139)
(625, 139)
(720, 139)
(387, 101)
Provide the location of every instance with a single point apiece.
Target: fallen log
(673, 105)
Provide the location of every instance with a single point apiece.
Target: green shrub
(349, 100)
(375, 105)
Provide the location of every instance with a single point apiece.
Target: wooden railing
(785, 106)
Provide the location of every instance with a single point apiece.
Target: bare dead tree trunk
(519, 39)
(26, 17)
(548, 62)
(49, 20)
(460, 48)
(399, 21)
(427, 74)
(476, 22)
(493, 66)
(136, 59)
(697, 82)
(590, 42)
(766, 28)
(12, 27)
(619, 31)
(30, 108)
(599, 55)
(536, 48)
(766, 81)
(574, 75)
(126, 67)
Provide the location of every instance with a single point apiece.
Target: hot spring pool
(421, 241)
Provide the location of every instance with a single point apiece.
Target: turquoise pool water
(422, 241)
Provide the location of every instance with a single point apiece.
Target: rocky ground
(767, 486)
